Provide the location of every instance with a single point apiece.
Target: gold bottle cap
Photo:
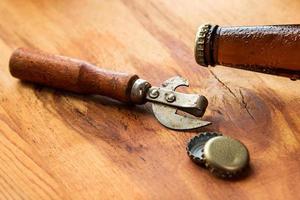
(195, 147)
(225, 157)
(199, 50)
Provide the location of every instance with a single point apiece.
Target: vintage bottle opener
(85, 78)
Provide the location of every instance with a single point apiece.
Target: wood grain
(59, 145)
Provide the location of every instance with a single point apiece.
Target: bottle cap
(205, 45)
(223, 156)
(195, 147)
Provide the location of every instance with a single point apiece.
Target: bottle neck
(266, 49)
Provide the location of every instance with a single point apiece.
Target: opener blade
(166, 113)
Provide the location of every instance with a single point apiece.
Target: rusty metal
(165, 110)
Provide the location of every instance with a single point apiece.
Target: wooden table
(59, 145)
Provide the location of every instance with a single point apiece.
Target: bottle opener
(84, 78)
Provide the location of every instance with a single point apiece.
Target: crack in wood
(245, 104)
(241, 101)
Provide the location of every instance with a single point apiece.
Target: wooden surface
(58, 145)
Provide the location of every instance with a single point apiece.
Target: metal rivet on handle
(154, 93)
(170, 97)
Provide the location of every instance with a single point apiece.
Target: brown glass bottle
(268, 49)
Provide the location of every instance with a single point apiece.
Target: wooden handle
(70, 74)
(270, 49)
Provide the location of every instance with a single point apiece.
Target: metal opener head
(166, 102)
